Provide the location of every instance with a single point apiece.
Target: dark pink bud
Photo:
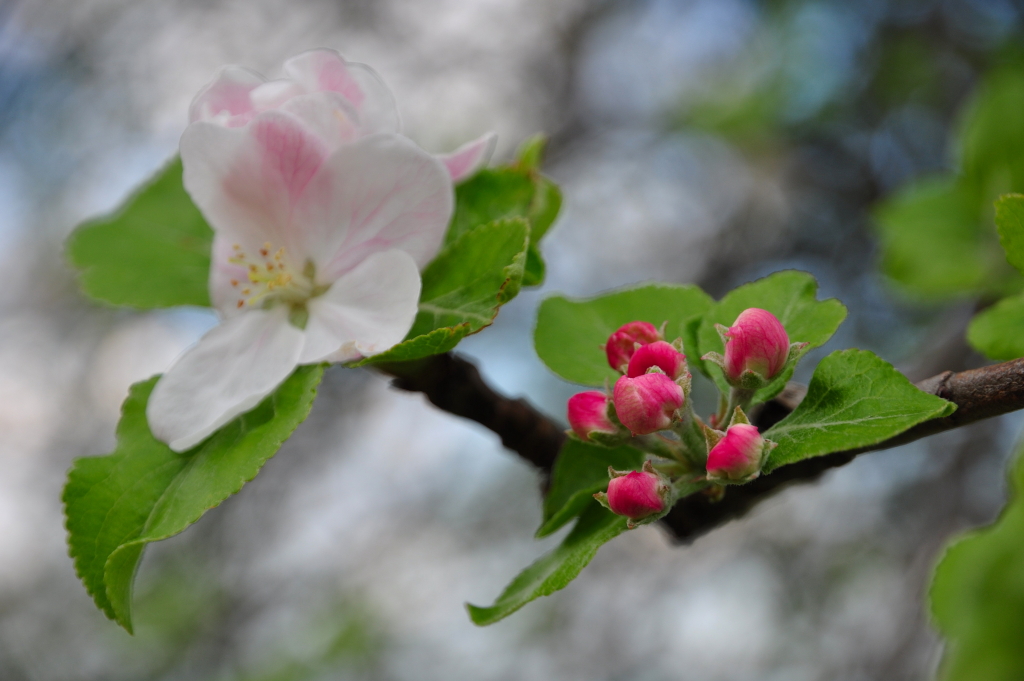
(657, 354)
(588, 414)
(636, 495)
(757, 342)
(737, 456)
(621, 344)
(647, 403)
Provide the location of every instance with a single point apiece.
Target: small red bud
(757, 342)
(647, 403)
(657, 354)
(622, 343)
(737, 456)
(588, 414)
(636, 495)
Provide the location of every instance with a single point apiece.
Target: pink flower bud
(758, 343)
(737, 456)
(621, 344)
(647, 403)
(657, 354)
(588, 414)
(636, 495)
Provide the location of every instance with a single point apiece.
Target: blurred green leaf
(998, 332)
(555, 570)
(570, 333)
(977, 597)
(463, 289)
(1010, 224)
(790, 296)
(934, 243)
(855, 399)
(580, 470)
(143, 492)
(153, 252)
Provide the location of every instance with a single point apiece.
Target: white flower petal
(324, 70)
(377, 193)
(227, 373)
(470, 157)
(247, 181)
(328, 115)
(227, 98)
(366, 311)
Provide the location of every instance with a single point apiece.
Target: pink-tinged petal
(470, 157)
(737, 455)
(274, 93)
(324, 70)
(226, 99)
(375, 194)
(366, 311)
(248, 181)
(326, 114)
(225, 277)
(657, 354)
(622, 343)
(588, 414)
(227, 373)
(636, 495)
(757, 342)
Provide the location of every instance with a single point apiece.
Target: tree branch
(454, 385)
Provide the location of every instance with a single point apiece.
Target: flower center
(270, 281)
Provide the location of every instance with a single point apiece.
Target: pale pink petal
(328, 115)
(274, 93)
(224, 294)
(377, 193)
(325, 70)
(227, 98)
(366, 311)
(470, 157)
(227, 373)
(247, 181)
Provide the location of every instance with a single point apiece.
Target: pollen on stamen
(234, 282)
(237, 247)
(241, 302)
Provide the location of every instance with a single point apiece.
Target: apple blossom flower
(339, 100)
(322, 219)
(757, 342)
(588, 414)
(657, 354)
(622, 343)
(647, 403)
(636, 494)
(738, 454)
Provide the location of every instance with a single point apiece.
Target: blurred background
(707, 141)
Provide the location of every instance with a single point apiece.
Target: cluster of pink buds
(641, 496)
(757, 349)
(646, 399)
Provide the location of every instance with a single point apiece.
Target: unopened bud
(647, 403)
(739, 455)
(636, 494)
(756, 342)
(658, 354)
(622, 343)
(588, 414)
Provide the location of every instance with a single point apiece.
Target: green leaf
(570, 333)
(143, 492)
(855, 399)
(580, 470)
(934, 242)
(516, 191)
(998, 332)
(154, 252)
(977, 597)
(556, 569)
(1010, 223)
(790, 296)
(463, 289)
(492, 194)
(991, 136)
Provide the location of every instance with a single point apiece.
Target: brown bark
(454, 385)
